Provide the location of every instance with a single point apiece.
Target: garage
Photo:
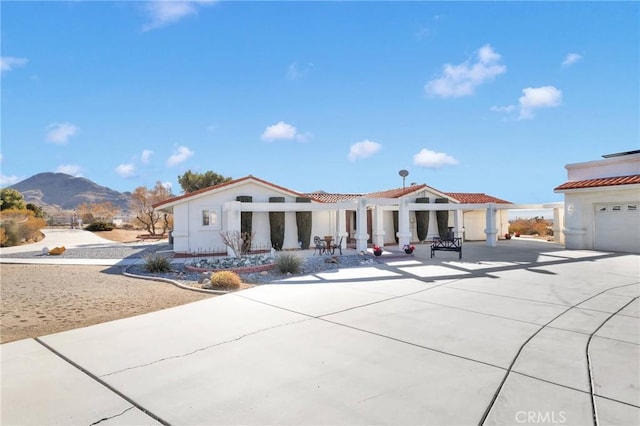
(602, 204)
(617, 227)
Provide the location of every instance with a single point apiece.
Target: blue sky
(493, 97)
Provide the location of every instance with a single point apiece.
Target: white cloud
(363, 149)
(571, 59)
(70, 169)
(126, 170)
(7, 63)
(462, 80)
(295, 72)
(280, 130)
(8, 180)
(180, 155)
(145, 157)
(60, 133)
(538, 97)
(433, 160)
(166, 12)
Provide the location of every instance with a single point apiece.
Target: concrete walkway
(524, 333)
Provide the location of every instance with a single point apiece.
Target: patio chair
(320, 245)
(338, 246)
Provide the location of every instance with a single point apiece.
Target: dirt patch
(124, 235)
(37, 300)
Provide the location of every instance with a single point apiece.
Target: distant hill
(59, 192)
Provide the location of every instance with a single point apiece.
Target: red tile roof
(389, 193)
(599, 182)
(475, 198)
(222, 185)
(323, 197)
(332, 198)
(397, 192)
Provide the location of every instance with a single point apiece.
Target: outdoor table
(328, 239)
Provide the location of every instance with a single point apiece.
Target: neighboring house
(602, 203)
(200, 216)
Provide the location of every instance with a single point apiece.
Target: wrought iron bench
(447, 244)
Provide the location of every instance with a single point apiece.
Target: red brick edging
(242, 270)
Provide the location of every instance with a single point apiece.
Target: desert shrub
(11, 234)
(3, 237)
(156, 263)
(19, 226)
(99, 226)
(225, 279)
(532, 226)
(288, 262)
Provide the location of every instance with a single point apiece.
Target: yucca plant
(156, 263)
(288, 262)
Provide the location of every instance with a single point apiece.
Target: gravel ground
(128, 251)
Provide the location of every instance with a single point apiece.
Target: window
(632, 207)
(210, 218)
(616, 208)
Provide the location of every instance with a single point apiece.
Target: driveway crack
(205, 348)
(112, 417)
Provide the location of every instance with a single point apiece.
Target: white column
(361, 220)
(404, 232)
(574, 230)
(491, 231)
(458, 223)
(558, 219)
(378, 226)
(232, 222)
(341, 221)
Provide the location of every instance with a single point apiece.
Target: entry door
(617, 227)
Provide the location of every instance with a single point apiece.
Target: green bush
(288, 262)
(100, 226)
(156, 263)
(225, 279)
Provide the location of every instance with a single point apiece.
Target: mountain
(60, 191)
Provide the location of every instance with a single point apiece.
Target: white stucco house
(382, 218)
(602, 203)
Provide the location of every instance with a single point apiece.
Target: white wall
(609, 167)
(475, 221)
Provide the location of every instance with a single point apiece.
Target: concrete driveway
(524, 333)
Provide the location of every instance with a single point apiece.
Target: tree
(37, 210)
(141, 204)
(11, 199)
(191, 182)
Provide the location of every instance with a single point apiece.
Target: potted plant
(408, 248)
(377, 250)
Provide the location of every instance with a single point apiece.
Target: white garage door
(617, 227)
